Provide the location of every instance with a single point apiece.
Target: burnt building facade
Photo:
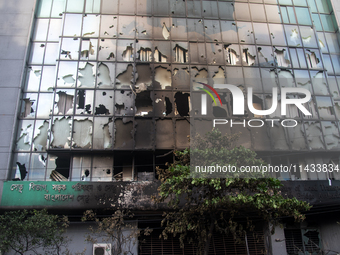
(96, 93)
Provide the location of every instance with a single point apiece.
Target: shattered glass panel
(104, 102)
(162, 77)
(126, 27)
(144, 51)
(265, 54)
(124, 102)
(72, 23)
(209, 9)
(162, 52)
(86, 74)
(37, 53)
(195, 29)
(197, 53)
(261, 33)
(164, 133)
(277, 34)
(64, 101)
(91, 26)
(325, 107)
(319, 83)
(25, 135)
(232, 54)
(161, 28)
(179, 29)
(125, 50)
(245, 32)
(286, 78)
(144, 27)
(124, 133)
(105, 74)
(144, 133)
(107, 49)
(180, 77)
(84, 101)
(82, 133)
(212, 30)
(37, 167)
(45, 105)
(143, 77)
(180, 52)
(102, 135)
(40, 135)
(33, 78)
(293, 36)
(20, 166)
(144, 103)
(69, 49)
(182, 133)
(314, 135)
(163, 104)
(108, 26)
(199, 74)
(28, 105)
(331, 134)
(51, 165)
(67, 73)
(282, 57)
(124, 76)
(249, 55)
(48, 78)
(61, 132)
(102, 169)
(81, 169)
(182, 104)
(88, 49)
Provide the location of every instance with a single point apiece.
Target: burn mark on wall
(124, 133)
(143, 103)
(162, 77)
(23, 171)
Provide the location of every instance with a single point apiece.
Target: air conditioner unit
(102, 249)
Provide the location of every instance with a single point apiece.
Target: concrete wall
(15, 26)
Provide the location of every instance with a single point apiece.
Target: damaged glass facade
(107, 89)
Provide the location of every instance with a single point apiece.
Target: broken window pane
(124, 76)
(91, 25)
(24, 135)
(88, 49)
(143, 77)
(45, 105)
(197, 53)
(180, 52)
(162, 52)
(28, 105)
(37, 53)
(282, 57)
(162, 77)
(107, 49)
(144, 27)
(104, 102)
(84, 101)
(265, 55)
(125, 50)
(20, 166)
(245, 32)
(181, 77)
(67, 73)
(177, 8)
(126, 27)
(182, 104)
(144, 133)
(232, 54)
(124, 102)
(102, 169)
(87, 74)
(144, 103)
(314, 135)
(64, 101)
(249, 55)
(108, 27)
(72, 23)
(37, 167)
(69, 49)
(199, 74)
(81, 168)
(124, 133)
(82, 133)
(33, 78)
(164, 134)
(40, 135)
(163, 104)
(102, 135)
(144, 51)
(105, 75)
